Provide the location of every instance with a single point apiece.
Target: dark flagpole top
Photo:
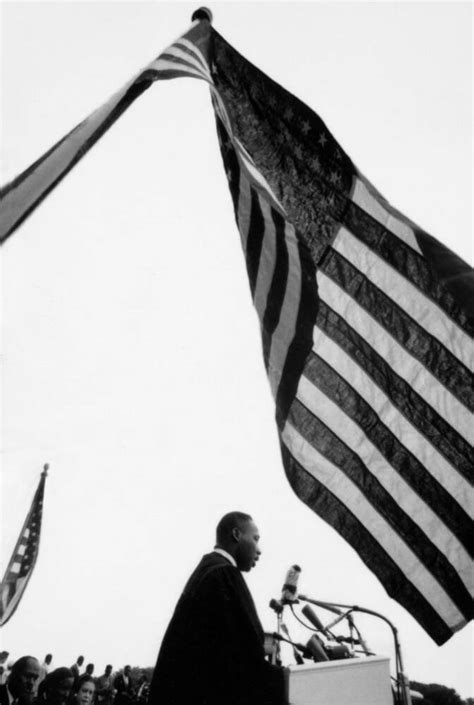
(202, 13)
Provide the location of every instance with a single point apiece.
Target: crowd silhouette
(29, 682)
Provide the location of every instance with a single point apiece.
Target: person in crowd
(76, 668)
(57, 687)
(124, 687)
(85, 690)
(105, 688)
(213, 650)
(21, 684)
(89, 670)
(143, 689)
(45, 668)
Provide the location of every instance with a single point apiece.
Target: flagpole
(202, 13)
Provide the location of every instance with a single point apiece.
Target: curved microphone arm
(404, 695)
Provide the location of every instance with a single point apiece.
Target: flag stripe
(181, 54)
(302, 343)
(341, 410)
(24, 193)
(276, 292)
(395, 355)
(244, 216)
(254, 242)
(21, 196)
(428, 316)
(267, 262)
(434, 473)
(440, 363)
(194, 50)
(285, 330)
(365, 196)
(430, 424)
(403, 259)
(344, 487)
(319, 498)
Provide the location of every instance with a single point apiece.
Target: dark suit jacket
(121, 686)
(212, 652)
(4, 695)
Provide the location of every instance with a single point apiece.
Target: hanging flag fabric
(21, 196)
(24, 556)
(367, 330)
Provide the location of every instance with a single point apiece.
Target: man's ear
(236, 534)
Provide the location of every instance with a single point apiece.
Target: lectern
(364, 681)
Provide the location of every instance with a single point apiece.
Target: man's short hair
(85, 678)
(20, 664)
(56, 677)
(229, 522)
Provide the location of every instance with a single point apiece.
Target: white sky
(132, 358)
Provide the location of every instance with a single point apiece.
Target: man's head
(108, 670)
(80, 660)
(22, 679)
(58, 686)
(126, 670)
(238, 534)
(48, 658)
(89, 669)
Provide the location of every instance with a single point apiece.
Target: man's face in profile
(248, 550)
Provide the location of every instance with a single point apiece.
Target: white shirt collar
(230, 558)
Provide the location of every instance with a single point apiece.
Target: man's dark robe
(212, 652)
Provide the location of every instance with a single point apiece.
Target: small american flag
(24, 556)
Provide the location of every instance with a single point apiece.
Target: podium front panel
(364, 681)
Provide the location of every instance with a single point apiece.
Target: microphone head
(288, 592)
(316, 648)
(276, 606)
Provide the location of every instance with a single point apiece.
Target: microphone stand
(277, 607)
(403, 684)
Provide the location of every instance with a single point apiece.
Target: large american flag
(366, 323)
(24, 556)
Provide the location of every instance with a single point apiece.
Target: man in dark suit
(21, 685)
(124, 686)
(213, 652)
(76, 669)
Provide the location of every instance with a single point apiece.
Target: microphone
(315, 647)
(325, 605)
(276, 605)
(288, 591)
(304, 650)
(312, 617)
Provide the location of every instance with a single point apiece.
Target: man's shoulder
(212, 568)
(215, 563)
